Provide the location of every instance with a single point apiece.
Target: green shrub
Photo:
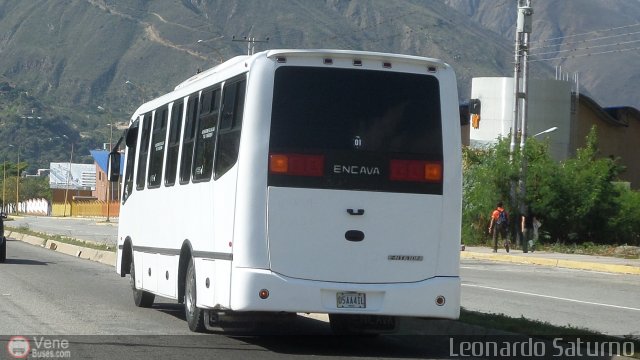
(577, 200)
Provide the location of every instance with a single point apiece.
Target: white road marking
(552, 297)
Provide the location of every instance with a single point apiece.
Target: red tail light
(416, 170)
(296, 164)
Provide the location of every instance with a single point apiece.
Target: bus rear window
(361, 122)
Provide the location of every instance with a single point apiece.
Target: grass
(539, 329)
(520, 325)
(587, 248)
(62, 239)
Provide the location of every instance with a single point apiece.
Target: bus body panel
(296, 295)
(167, 285)
(250, 247)
(449, 247)
(309, 232)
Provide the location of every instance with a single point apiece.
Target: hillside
(81, 52)
(75, 55)
(597, 39)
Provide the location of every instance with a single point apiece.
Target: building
(104, 189)
(552, 103)
(549, 106)
(618, 130)
(71, 180)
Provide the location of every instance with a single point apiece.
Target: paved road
(604, 302)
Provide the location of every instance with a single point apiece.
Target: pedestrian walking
(498, 226)
(527, 227)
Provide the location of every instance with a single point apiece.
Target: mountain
(82, 52)
(599, 40)
(75, 55)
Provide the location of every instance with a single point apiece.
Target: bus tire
(140, 297)
(3, 250)
(194, 315)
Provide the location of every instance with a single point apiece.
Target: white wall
(549, 105)
(496, 97)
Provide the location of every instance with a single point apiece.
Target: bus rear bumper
(437, 297)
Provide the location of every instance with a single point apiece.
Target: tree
(577, 200)
(487, 179)
(35, 188)
(626, 225)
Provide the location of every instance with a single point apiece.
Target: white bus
(298, 181)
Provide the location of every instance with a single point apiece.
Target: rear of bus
(364, 186)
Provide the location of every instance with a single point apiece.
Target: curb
(570, 264)
(101, 256)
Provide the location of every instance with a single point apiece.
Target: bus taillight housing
(296, 164)
(415, 171)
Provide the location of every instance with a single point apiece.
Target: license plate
(351, 300)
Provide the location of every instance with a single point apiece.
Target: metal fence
(86, 208)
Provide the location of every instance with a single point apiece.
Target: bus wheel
(3, 250)
(140, 297)
(194, 315)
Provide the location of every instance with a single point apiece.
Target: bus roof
(308, 53)
(353, 53)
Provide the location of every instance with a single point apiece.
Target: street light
(142, 92)
(546, 131)
(216, 50)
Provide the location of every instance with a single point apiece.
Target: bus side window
(206, 135)
(174, 144)
(144, 151)
(187, 139)
(230, 126)
(132, 142)
(156, 157)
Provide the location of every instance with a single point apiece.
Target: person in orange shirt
(499, 225)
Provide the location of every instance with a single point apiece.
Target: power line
(582, 55)
(587, 48)
(586, 40)
(587, 33)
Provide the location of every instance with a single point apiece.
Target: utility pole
(520, 103)
(4, 180)
(66, 192)
(251, 43)
(18, 183)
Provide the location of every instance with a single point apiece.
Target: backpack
(502, 218)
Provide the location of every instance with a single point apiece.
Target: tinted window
(174, 143)
(132, 134)
(206, 135)
(359, 120)
(144, 151)
(187, 139)
(230, 126)
(156, 157)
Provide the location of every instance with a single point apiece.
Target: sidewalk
(571, 261)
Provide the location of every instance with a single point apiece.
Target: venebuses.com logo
(18, 347)
(21, 347)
